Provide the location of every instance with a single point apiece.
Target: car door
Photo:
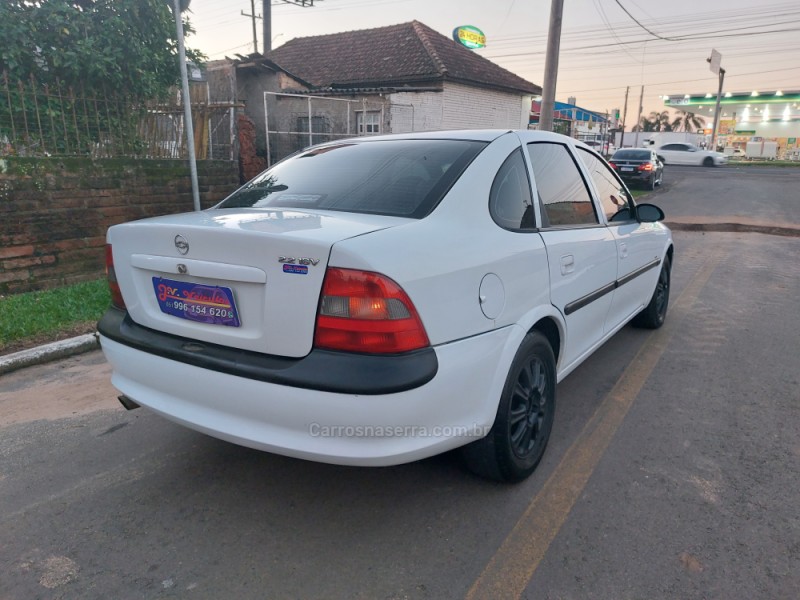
(638, 250)
(581, 250)
(681, 154)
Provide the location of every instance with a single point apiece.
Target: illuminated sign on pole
(469, 36)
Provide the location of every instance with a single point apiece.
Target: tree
(125, 46)
(688, 121)
(661, 121)
(655, 122)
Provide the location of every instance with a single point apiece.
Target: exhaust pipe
(127, 403)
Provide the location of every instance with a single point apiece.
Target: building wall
(458, 106)
(467, 107)
(54, 213)
(415, 111)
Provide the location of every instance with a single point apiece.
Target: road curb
(49, 352)
(735, 228)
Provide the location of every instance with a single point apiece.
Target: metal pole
(266, 23)
(187, 105)
(716, 111)
(551, 66)
(310, 133)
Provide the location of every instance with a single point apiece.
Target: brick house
(394, 79)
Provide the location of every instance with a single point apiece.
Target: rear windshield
(631, 155)
(403, 178)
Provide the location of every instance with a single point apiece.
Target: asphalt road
(731, 192)
(671, 473)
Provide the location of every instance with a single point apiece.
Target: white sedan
(379, 300)
(689, 154)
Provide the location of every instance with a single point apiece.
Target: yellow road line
(513, 565)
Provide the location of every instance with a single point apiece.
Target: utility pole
(639, 119)
(715, 60)
(266, 25)
(551, 66)
(253, 16)
(624, 114)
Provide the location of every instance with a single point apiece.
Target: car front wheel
(708, 161)
(521, 429)
(654, 314)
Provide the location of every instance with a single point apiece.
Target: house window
(368, 122)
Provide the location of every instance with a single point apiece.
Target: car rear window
(631, 155)
(403, 178)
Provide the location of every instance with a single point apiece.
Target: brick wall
(54, 213)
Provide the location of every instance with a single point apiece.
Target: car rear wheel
(708, 161)
(654, 314)
(651, 184)
(521, 429)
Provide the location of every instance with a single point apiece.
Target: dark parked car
(639, 166)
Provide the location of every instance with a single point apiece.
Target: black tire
(521, 429)
(654, 314)
(651, 185)
(708, 161)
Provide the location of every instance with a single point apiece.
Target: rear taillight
(113, 286)
(360, 311)
(612, 165)
(645, 167)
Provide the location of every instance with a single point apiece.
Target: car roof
(476, 135)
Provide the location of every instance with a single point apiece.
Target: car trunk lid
(244, 278)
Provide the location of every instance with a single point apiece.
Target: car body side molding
(599, 293)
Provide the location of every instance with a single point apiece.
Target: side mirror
(649, 213)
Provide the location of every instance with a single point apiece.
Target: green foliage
(125, 46)
(36, 313)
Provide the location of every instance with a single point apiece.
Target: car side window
(613, 195)
(510, 202)
(562, 190)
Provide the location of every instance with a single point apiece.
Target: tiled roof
(388, 56)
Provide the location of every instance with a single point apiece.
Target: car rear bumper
(453, 408)
(636, 177)
(320, 370)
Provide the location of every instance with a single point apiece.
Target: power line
(653, 33)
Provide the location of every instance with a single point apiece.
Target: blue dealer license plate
(210, 304)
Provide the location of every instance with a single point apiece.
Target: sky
(603, 49)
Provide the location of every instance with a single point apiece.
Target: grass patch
(35, 314)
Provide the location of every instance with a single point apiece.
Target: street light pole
(714, 64)
(551, 66)
(187, 101)
(716, 110)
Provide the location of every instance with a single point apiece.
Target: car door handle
(623, 251)
(567, 264)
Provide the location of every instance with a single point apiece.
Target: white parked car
(379, 300)
(680, 153)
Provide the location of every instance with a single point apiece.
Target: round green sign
(469, 36)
